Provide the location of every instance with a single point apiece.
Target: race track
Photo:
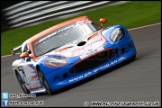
(139, 80)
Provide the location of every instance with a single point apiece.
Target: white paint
(144, 26)
(9, 55)
(128, 30)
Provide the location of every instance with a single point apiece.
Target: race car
(69, 52)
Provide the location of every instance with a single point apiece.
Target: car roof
(55, 27)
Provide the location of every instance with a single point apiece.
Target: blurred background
(21, 20)
(4, 21)
(24, 13)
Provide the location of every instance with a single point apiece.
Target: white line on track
(9, 55)
(144, 26)
(128, 30)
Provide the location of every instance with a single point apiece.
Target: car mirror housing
(24, 55)
(103, 21)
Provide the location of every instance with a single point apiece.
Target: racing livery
(69, 52)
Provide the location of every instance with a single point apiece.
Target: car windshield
(63, 36)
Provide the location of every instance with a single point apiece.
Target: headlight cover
(117, 34)
(55, 62)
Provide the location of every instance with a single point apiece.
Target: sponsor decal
(82, 76)
(54, 33)
(81, 48)
(90, 51)
(35, 77)
(97, 69)
(108, 64)
(84, 21)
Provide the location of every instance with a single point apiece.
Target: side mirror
(103, 21)
(24, 55)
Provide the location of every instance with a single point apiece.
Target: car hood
(81, 47)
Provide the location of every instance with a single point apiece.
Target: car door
(28, 71)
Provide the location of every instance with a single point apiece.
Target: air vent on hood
(81, 43)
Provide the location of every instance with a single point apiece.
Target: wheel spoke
(44, 81)
(22, 84)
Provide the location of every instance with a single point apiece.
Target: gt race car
(70, 52)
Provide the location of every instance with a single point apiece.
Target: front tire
(44, 81)
(22, 84)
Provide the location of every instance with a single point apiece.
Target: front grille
(94, 61)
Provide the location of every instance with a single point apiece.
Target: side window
(96, 26)
(26, 49)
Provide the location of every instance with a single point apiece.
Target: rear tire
(22, 84)
(44, 81)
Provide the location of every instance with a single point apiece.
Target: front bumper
(68, 75)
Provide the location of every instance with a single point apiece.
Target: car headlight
(117, 34)
(55, 62)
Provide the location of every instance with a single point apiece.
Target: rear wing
(16, 49)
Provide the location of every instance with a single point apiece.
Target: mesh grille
(94, 61)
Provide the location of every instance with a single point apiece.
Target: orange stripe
(34, 88)
(60, 50)
(92, 36)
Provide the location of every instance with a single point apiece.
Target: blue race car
(70, 52)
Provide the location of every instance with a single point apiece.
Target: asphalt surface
(139, 80)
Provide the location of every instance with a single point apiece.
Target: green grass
(131, 14)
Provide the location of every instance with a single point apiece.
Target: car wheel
(44, 81)
(22, 84)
